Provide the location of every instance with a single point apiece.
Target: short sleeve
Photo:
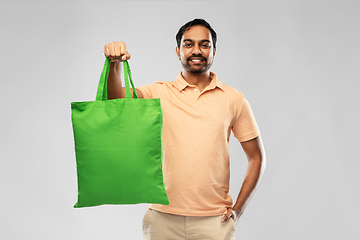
(244, 125)
(153, 90)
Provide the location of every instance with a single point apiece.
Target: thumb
(226, 217)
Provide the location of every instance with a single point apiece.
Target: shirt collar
(180, 83)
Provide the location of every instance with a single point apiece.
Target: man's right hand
(116, 51)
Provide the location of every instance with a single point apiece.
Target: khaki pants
(163, 226)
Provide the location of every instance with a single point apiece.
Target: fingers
(225, 218)
(116, 51)
(228, 215)
(126, 56)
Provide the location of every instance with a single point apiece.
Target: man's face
(196, 50)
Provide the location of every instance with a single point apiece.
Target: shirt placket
(195, 92)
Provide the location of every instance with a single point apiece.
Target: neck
(200, 80)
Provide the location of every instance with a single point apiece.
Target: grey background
(297, 62)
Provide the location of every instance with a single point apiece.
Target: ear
(177, 52)
(214, 51)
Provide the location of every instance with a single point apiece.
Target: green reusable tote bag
(118, 147)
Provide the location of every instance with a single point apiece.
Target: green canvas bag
(118, 147)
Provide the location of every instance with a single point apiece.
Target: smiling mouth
(196, 60)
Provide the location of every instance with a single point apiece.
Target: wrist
(115, 66)
(237, 211)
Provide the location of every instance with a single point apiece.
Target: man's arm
(255, 154)
(116, 52)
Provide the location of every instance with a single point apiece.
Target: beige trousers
(163, 226)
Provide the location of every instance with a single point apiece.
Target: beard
(197, 70)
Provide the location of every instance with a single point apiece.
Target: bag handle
(101, 94)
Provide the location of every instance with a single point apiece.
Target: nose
(196, 50)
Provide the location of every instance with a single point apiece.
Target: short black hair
(195, 22)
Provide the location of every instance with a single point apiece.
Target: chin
(197, 71)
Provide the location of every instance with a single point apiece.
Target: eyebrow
(190, 40)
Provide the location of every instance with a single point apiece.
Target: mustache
(196, 56)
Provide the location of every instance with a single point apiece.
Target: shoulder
(228, 90)
(234, 94)
(153, 90)
(156, 84)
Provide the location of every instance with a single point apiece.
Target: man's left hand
(231, 213)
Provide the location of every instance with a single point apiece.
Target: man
(199, 113)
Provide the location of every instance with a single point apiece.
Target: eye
(187, 44)
(206, 45)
